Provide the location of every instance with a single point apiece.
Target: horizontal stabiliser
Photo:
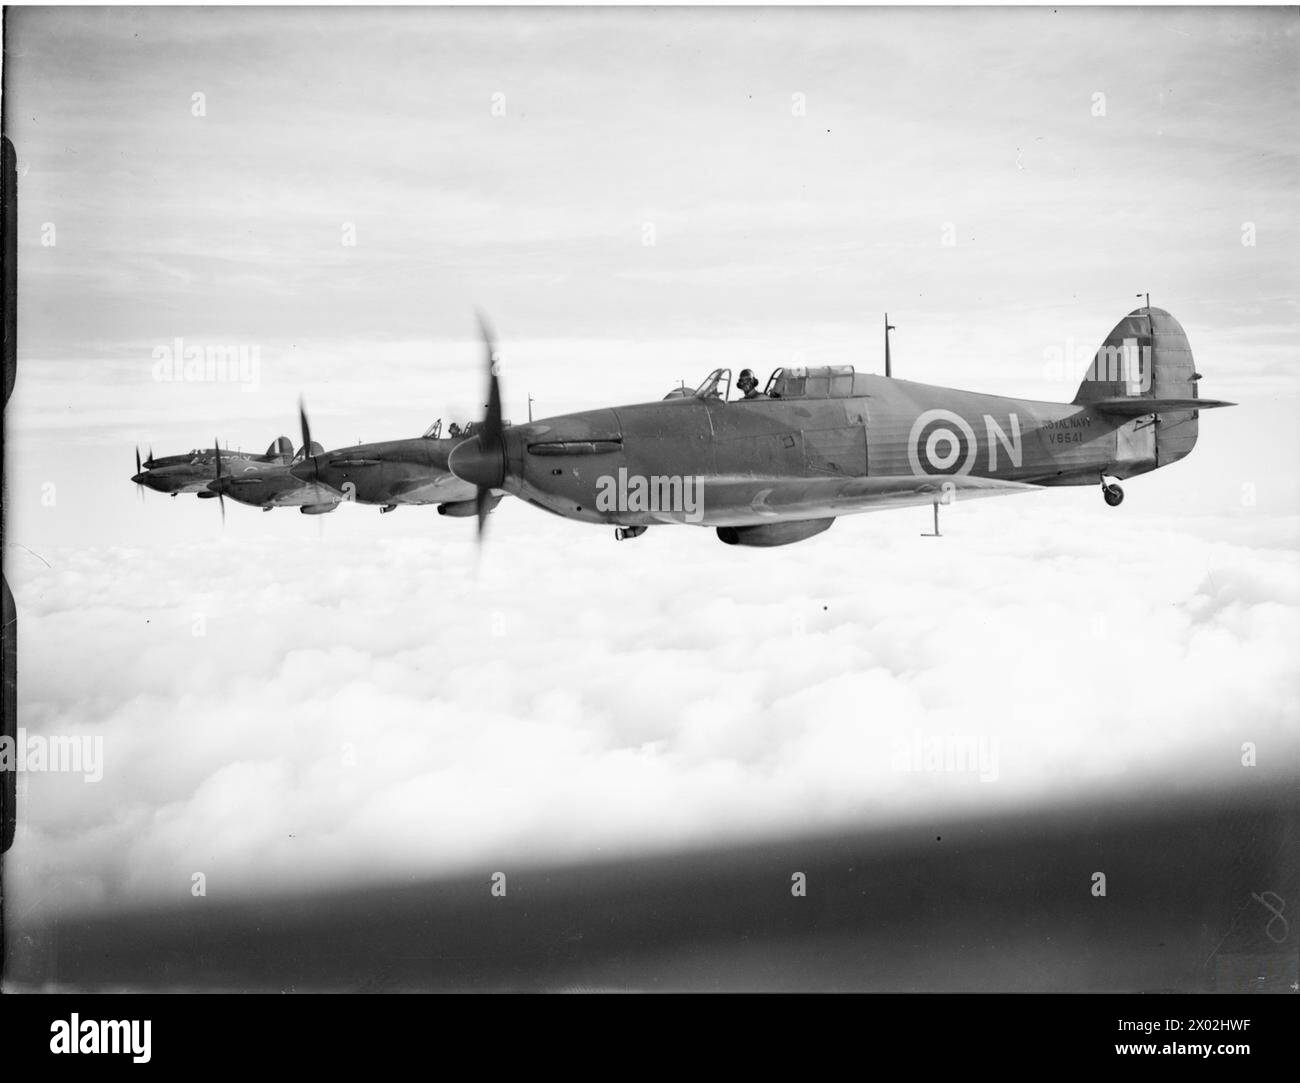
(1138, 407)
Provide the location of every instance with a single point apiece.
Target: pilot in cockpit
(748, 384)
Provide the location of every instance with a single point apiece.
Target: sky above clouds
(566, 696)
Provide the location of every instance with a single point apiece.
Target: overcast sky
(798, 173)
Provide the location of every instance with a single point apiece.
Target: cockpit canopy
(716, 385)
(456, 431)
(819, 382)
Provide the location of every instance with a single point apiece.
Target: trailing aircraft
(392, 473)
(270, 485)
(192, 473)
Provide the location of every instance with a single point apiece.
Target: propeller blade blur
(306, 428)
(221, 496)
(492, 422)
(307, 455)
(489, 436)
(481, 508)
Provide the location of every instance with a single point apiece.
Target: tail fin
(1145, 367)
(282, 448)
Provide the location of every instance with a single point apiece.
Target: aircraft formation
(389, 474)
(762, 468)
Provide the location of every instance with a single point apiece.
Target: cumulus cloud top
(352, 706)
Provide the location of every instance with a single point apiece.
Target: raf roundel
(941, 442)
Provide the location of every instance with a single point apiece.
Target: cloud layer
(353, 706)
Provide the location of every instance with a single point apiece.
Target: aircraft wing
(429, 487)
(748, 501)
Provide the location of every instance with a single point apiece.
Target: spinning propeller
(307, 455)
(221, 496)
(481, 460)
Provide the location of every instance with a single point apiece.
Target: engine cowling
(766, 535)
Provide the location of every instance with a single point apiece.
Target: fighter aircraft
(270, 485)
(394, 472)
(780, 466)
(192, 473)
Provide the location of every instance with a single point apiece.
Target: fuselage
(875, 427)
(188, 473)
(269, 485)
(389, 472)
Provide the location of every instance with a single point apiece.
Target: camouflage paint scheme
(393, 473)
(271, 485)
(830, 442)
(192, 473)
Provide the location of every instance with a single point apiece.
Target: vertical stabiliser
(281, 448)
(1146, 356)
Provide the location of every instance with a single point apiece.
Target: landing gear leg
(1113, 494)
(624, 533)
(936, 533)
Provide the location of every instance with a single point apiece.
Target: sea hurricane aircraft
(781, 465)
(192, 473)
(270, 485)
(393, 473)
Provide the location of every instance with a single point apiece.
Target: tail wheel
(1113, 495)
